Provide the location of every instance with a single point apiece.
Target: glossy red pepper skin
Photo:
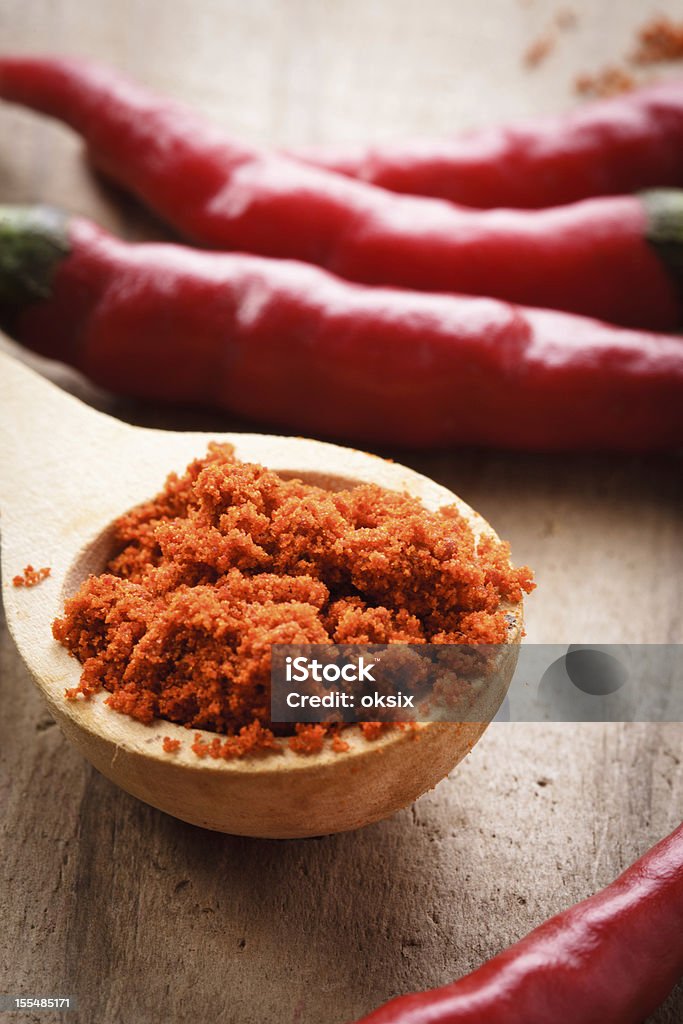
(609, 960)
(291, 345)
(610, 147)
(591, 258)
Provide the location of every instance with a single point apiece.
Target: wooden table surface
(144, 918)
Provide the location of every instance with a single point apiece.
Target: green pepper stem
(664, 230)
(33, 242)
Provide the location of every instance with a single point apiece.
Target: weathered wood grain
(144, 918)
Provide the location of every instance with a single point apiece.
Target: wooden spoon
(66, 472)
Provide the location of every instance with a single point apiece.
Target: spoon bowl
(66, 473)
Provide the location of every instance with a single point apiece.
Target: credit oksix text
(305, 670)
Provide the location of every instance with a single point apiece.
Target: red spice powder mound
(230, 558)
(31, 577)
(170, 745)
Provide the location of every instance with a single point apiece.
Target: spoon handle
(52, 446)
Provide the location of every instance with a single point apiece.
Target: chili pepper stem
(33, 241)
(664, 211)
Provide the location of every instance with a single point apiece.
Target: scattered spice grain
(610, 81)
(170, 745)
(230, 558)
(541, 48)
(31, 577)
(546, 42)
(566, 18)
(659, 40)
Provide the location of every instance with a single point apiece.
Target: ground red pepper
(609, 960)
(31, 577)
(592, 257)
(230, 559)
(290, 344)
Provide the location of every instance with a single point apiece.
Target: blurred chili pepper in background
(598, 257)
(288, 343)
(619, 145)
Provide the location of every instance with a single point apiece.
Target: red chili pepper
(611, 147)
(609, 960)
(291, 344)
(593, 257)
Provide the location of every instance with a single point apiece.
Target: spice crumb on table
(659, 40)
(609, 81)
(539, 49)
(544, 44)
